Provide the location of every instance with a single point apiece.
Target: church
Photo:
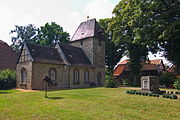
(79, 64)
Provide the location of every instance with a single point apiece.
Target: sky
(67, 13)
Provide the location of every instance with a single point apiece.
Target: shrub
(7, 79)
(174, 96)
(157, 95)
(166, 79)
(154, 95)
(177, 83)
(150, 94)
(110, 82)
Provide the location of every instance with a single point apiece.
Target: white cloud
(99, 9)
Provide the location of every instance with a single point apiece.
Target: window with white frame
(76, 76)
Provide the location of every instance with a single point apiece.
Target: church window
(81, 42)
(76, 76)
(52, 73)
(86, 76)
(23, 76)
(99, 78)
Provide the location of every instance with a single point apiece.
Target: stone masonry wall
(28, 66)
(87, 46)
(41, 69)
(82, 83)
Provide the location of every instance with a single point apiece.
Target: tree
(125, 27)
(49, 34)
(113, 52)
(23, 34)
(46, 35)
(151, 24)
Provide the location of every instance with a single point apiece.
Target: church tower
(89, 37)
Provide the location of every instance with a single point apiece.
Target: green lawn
(86, 104)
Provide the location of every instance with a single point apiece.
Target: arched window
(76, 76)
(23, 76)
(99, 78)
(86, 76)
(52, 73)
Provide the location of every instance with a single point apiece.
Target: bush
(7, 79)
(177, 83)
(166, 79)
(150, 94)
(174, 96)
(110, 82)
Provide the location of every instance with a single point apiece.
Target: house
(8, 57)
(149, 68)
(79, 64)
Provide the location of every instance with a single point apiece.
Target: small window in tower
(81, 42)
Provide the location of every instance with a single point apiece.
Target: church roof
(87, 29)
(8, 57)
(44, 54)
(75, 55)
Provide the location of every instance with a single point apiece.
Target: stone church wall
(28, 66)
(87, 46)
(81, 83)
(41, 69)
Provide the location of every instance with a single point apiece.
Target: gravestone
(150, 83)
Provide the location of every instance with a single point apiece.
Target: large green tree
(23, 34)
(46, 35)
(125, 25)
(51, 33)
(113, 52)
(151, 23)
(148, 25)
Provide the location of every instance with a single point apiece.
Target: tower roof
(87, 29)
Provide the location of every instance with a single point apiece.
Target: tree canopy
(46, 35)
(49, 34)
(23, 34)
(147, 25)
(113, 52)
(152, 24)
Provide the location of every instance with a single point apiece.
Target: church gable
(24, 55)
(40, 54)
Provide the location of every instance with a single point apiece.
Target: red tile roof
(148, 65)
(123, 62)
(119, 70)
(156, 62)
(8, 57)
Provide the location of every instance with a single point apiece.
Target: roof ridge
(40, 45)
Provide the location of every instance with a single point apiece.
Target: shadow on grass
(54, 97)
(5, 92)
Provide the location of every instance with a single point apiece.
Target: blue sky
(67, 13)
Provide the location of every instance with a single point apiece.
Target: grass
(86, 104)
